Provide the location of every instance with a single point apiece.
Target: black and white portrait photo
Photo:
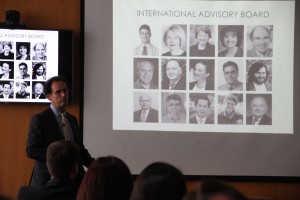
(260, 41)
(259, 109)
(39, 51)
(174, 40)
(145, 107)
(230, 75)
(21, 70)
(259, 75)
(23, 90)
(173, 74)
(38, 90)
(173, 110)
(202, 41)
(145, 73)
(145, 46)
(230, 109)
(201, 109)
(39, 71)
(231, 41)
(6, 70)
(7, 50)
(6, 90)
(23, 50)
(202, 73)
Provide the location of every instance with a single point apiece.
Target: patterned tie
(66, 127)
(144, 116)
(255, 120)
(144, 53)
(172, 86)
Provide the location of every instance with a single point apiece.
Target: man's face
(6, 89)
(231, 75)
(5, 68)
(59, 95)
(202, 108)
(40, 50)
(145, 72)
(259, 106)
(173, 70)
(145, 102)
(38, 88)
(145, 36)
(200, 72)
(23, 70)
(173, 107)
(260, 76)
(261, 39)
(40, 70)
(22, 89)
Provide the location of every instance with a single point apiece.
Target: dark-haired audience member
(108, 178)
(23, 69)
(50, 125)
(7, 54)
(216, 190)
(258, 78)
(231, 39)
(6, 94)
(203, 48)
(159, 181)
(62, 162)
(38, 72)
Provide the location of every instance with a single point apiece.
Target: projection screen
(247, 65)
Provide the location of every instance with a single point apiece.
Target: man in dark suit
(6, 87)
(202, 104)
(146, 113)
(62, 161)
(38, 91)
(259, 109)
(260, 38)
(51, 125)
(174, 79)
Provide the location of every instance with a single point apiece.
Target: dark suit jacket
(265, 120)
(57, 189)
(10, 96)
(43, 130)
(42, 96)
(209, 85)
(207, 121)
(152, 115)
(181, 85)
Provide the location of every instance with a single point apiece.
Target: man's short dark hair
(175, 97)
(5, 83)
(231, 63)
(61, 157)
(48, 84)
(204, 97)
(255, 67)
(145, 26)
(22, 63)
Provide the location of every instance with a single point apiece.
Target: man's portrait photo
(259, 75)
(38, 90)
(23, 90)
(173, 110)
(146, 105)
(259, 109)
(145, 73)
(40, 51)
(230, 109)
(201, 108)
(173, 74)
(6, 90)
(230, 75)
(21, 71)
(202, 73)
(260, 41)
(145, 48)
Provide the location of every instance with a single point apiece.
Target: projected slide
(203, 66)
(27, 59)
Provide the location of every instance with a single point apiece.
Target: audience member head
(108, 178)
(159, 181)
(216, 190)
(62, 159)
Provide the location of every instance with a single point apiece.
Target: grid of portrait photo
(23, 70)
(203, 74)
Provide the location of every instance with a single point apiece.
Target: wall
(15, 167)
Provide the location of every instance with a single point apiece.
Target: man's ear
(49, 97)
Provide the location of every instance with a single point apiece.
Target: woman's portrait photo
(202, 41)
(202, 75)
(23, 50)
(174, 40)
